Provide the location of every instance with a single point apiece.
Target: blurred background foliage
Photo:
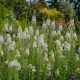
(20, 12)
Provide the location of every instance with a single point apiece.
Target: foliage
(53, 4)
(68, 11)
(64, 7)
(77, 24)
(43, 3)
(53, 14)
(35, 8)
(3, 12)
(6, 16)
(3, 16)
(19, 7)
(21, 10)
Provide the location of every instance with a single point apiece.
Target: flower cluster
(32, 67)
(15, 64)
(52, 49)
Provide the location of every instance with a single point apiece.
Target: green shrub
(68, 11)
(3, 12)
(3, 16)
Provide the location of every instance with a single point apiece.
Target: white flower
(52, 55)
(57, 71)
(8, 35)
(1, 39)
(26, 30)
(58, 43)
(30, 66)
(14, 35)
(62, 44)
(9, 39)
(46, 57)
(77, 56)
(58, 32)
(53, 25)
(74, 36)
(19, 35)
(19, 29)
(11, 45)
(61, 38)
(73, 45)
(41, 40)
(17, 53)
(24, 35)
(34, 44)
(78, 70)
(5, 28)
(62, 56)
(35, 38)
(1, 52)
(71, 23)
(53, 33)
(15, 63)
(28, 36)
(27, 51)
(10, 28)
(48, 22)
(48, 66)
(46, 54)
(6, 62)
(37, 33)
(68, 35)
(60, 28)
(33, 21)
(33, 69)
(44, 26)
(45, 47)
(30, 30)
(79, 49)
(60, 49)
(67, 46)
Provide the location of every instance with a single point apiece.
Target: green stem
(16, 75)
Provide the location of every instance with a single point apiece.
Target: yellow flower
(53, 13)
(18, 22)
